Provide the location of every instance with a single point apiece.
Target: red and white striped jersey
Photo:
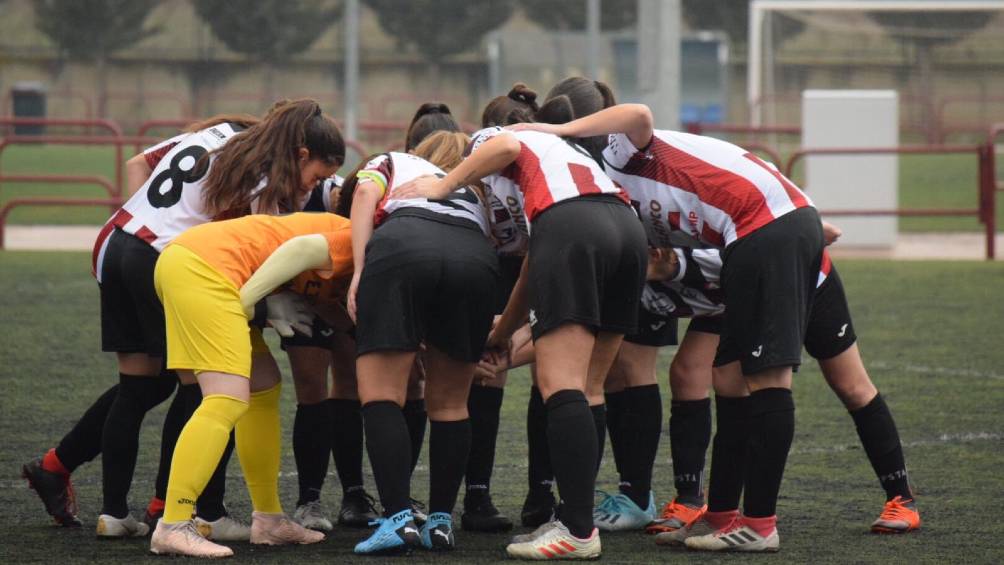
(548, 169)
(391, 170)
(510, 228)
(155, 153)
(170, 201)
(713, 190)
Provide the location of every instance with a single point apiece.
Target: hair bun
(432, 108)
(522, 93)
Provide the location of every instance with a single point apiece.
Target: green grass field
(925, 182)
(930, 334)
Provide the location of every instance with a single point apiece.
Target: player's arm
(364, 203)
(299, 254)
(137, 171)
(514, 315)
(491, 157)
(633, 120)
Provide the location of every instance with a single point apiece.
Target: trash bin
(29, 102)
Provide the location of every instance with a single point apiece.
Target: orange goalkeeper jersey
(236, 248)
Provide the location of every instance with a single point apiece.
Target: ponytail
(518, 106)
(430, 117)
(269, 150)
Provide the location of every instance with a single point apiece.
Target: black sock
(572, 442)
(209, 505)
(186, 399)
(416, 417)
(311, 448)
(347, 441)
(389, 448)
(642, 424)
(120, 435)
(449, 446)
(689, 436)
(771, 429)
(728, 453)
(615, 413)
(600, 424)
(484, 406)
(83, 442)
(539, 472)
(879, 437)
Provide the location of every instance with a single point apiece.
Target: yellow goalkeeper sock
(198, 452)
(258, 447)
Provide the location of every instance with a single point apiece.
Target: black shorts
(321, 337)
(706, 324)
(426, 279)
(830, 330)
(769, 279)
(509, 267)
(587, 266)
(132, 317)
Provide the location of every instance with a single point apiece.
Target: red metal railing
(16, 202)
(111, 127)
(985, 212)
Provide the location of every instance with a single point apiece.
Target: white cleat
(541, 530)
(181, 538)
(736, 538)
(280, 529)
(311, 516)
(557, 543)
(699, 527)
(226, 528)
(128, 527)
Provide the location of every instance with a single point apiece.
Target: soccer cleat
(358, 509)
(182, 538)
(735, 537)
(55, 490)
(677, 537)
(538, 508)
(311, 515)
(226, 528)
(898, 517)
(128, 527)
(418, 512)
(480, 515)
(541, 530)
(618, 513)
(675, 515)
(280, 529)
(557, 543)
(396, 534)
(437, 532)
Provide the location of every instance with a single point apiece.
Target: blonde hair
(445, 149)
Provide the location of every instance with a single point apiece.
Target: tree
(732, 17)
(924, 31)
(268, 31)
(571, 14)
(93, 30)
(440, 28)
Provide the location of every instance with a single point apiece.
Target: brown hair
(576, 97)
(444, 149)
(244, 121)
(518, 106)
(269, 150)
(430, 117)
(344, 205)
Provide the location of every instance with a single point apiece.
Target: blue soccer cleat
(619, 513)
(396, 534)
(437, 533)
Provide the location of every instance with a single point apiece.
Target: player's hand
(554, 129)
(831, 233)
(288, 313)
(350, 296)
(420, 187)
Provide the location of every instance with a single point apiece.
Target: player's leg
(484, 406)
(417, 418)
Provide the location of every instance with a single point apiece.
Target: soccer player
(214, 172)
(209, 279)
(580, 220)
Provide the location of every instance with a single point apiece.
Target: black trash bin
(29, 102)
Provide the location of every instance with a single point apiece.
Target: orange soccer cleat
(898, 517)
(675, 515)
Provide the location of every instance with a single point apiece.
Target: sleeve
(340, 251)
(681, 256)
(619, 150)
(154, 154)
(481, 136)
(378, 170)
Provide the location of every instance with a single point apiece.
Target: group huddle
(570, 236)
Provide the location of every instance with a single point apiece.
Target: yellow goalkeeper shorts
(206, 326)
